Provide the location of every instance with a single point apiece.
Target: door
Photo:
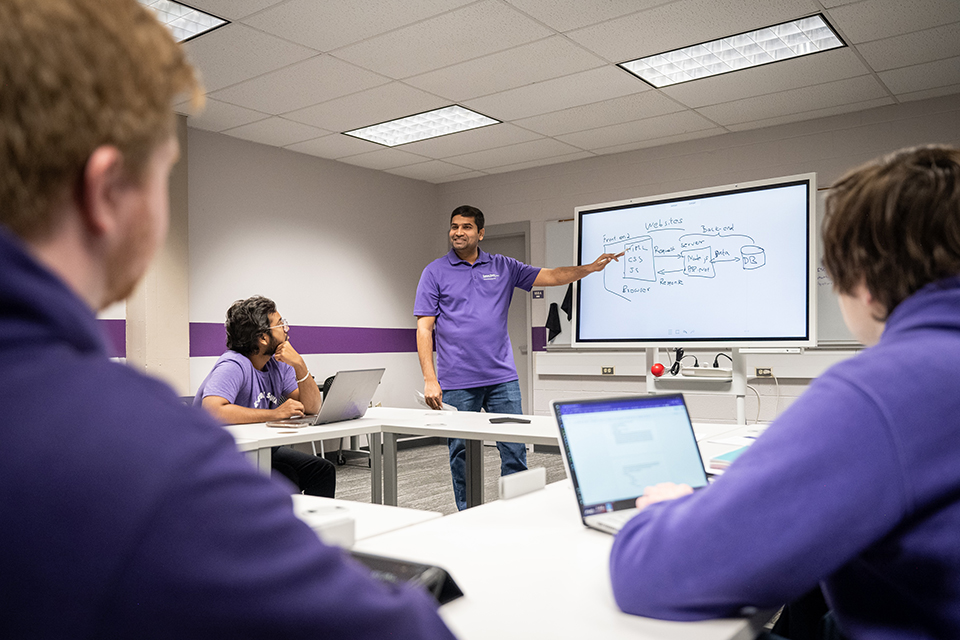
(515, 246)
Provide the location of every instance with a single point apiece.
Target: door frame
(522, 229)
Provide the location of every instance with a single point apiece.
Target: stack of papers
(721, 462)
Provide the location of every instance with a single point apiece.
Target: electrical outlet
(764, 372)
(606, 371)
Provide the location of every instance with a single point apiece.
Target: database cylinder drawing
(753, 256)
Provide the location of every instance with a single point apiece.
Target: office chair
(353, 451)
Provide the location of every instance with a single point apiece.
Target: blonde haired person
(125, 513)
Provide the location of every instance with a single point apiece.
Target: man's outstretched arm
(565, 275)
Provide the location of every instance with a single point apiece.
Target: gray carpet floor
(423, 477)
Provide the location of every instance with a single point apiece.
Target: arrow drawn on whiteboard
(663, 272)
(731, 260)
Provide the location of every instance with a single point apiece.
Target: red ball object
(657, 369)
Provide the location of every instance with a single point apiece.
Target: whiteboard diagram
(664, 257)
(726, 266)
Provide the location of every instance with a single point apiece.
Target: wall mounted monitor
(730, 266)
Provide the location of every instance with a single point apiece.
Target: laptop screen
(618, 446)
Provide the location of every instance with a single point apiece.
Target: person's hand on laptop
(661, 492)
(289, 409)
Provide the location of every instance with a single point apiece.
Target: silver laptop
(347, 399)
(615, 447)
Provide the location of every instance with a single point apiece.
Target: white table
(530, 569)
(369, 519)
(472, 426)
(386, 424)
(256, 439)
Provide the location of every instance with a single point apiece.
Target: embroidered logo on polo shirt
(491, 276)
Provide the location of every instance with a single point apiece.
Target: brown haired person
(125, 513)
(856, 486)
(261, 377)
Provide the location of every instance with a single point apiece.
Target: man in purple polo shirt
(262, 377)
(464, 298)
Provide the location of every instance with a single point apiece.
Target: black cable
(678, 356)
(716, 361)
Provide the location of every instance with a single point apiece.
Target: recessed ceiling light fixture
(754, 48)
(185, 22)
(421, 126)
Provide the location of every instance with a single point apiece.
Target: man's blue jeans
(496, 398)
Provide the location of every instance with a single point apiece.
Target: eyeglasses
(283, 323)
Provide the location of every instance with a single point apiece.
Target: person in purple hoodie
(126, 514)
(856, 486)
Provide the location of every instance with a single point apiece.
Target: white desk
(369, 519)
(387, 423)
(530, 569)
(472, 426)
(257, 438)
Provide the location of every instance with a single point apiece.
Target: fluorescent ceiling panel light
(763, 46)
(421, 126)
(185, 22)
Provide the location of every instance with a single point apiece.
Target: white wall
(827, 146)
(332, 244)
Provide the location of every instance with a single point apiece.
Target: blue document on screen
(615, 447)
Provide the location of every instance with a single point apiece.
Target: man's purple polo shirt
(471, 304)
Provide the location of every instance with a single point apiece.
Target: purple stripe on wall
(115, 335)
(539, 338)
(210, 339)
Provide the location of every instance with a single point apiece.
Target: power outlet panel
(764, 372)
(606, 371)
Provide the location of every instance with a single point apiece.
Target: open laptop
(615, 447)
(347, 399)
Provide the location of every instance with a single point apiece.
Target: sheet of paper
(422, 401)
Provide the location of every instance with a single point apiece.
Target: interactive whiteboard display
(727, 266)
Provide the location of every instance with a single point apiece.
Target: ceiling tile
(549, 58)
(232, 9)
(581, 13)
(497, 135)
(275, 131)
(560, 93)
(469, 32)
(463, 176)
(513, 154)
(326, 26)
(810, 115)
(876, 19)
(913, 48)
(305, 83)
(430, 171)
(825, 95)
(692, 21)
(383, 159)
(217, 116)
(648, 128)
(770, 78)
(334, 146)
(921, 77)
(235, 53)
(599, 114)
(542, 162)
(930, 93)
(656, 142)
(373, 106)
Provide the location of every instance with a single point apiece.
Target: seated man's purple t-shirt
(471, 304)
(235, 379)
